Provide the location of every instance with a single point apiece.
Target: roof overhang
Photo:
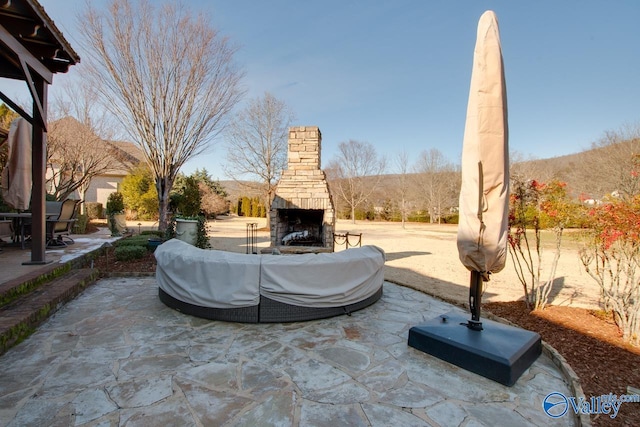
(26, 28)
(31, 46)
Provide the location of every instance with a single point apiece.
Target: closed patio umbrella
(16, 175)
(484, 194)
(494, 350)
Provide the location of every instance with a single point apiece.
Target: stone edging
(570, 376)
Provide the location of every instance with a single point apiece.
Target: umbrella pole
(475, 298)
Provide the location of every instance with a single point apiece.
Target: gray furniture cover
(226, 286)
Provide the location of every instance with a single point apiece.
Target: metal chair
(5, 230)
(59, 229)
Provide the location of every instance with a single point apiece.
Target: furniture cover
(267, 288)
(325, 279)
(207, 278)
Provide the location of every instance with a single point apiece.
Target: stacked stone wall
(304, 184)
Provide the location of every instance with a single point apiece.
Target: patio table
(19, 223)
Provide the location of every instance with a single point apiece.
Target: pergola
(33, 50)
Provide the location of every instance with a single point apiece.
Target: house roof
(126, 154)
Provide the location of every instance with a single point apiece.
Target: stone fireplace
(302, 213)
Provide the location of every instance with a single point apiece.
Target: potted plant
(115, 214)
(189, 226)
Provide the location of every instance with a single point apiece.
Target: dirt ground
(425, 257)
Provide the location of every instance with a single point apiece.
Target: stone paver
(117, 356)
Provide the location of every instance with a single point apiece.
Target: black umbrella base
(498, 352)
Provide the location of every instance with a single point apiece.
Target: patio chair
(5, 230)
(59, 228)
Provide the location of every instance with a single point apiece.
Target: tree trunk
(163, 187)
(270, 196)
(83, 205)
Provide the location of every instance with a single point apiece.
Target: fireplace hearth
(302, 212)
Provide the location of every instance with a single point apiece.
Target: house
(128, 156)
(75, 151)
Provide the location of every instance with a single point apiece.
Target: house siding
(101, 187)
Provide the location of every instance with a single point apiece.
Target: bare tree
(76, 150)
(257, 143)
(357, 171)
(403, 180)
(212, 203)
(167, 75)
(526, 168)
(433, 182)
(75, 155)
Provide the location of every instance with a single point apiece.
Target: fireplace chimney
(302, 212)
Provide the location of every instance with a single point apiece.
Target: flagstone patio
(117, 355)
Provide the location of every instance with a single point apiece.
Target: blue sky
(396, 73)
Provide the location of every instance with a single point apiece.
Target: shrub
(157, 233)
(115, 203)
(450, 219)
(611, 257)
(139, 240)
(418, 216)
(186, 200)
(125, 253)
(80, 227)
(251, 207)
(93, 210)
(202, 240)
(140, 194)
(534, 206)
(365, 213)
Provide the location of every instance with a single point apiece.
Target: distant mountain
(593, 173)
(237, 189)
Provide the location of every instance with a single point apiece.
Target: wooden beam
(17, 47)
(15, 107)
(37, 104)
(38, 171)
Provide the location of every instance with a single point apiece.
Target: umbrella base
(498, 352)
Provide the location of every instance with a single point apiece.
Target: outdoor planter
(153, 243)
(115, 214)
(187, 230)
(118, 223)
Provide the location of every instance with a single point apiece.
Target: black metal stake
(475, 299)
(252, 232)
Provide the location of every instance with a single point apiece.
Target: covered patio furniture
(235, 287)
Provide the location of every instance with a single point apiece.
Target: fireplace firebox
(300, 227)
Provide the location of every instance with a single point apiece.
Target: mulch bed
(107, 264)
(589, 341)
(592, 345)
